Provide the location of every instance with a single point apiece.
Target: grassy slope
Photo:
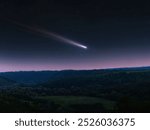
(73, 100)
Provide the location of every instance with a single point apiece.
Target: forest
(106, 90)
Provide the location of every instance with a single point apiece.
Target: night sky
(116, 33)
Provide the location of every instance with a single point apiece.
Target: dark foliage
(113, 90)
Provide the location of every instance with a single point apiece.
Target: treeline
(129, 90)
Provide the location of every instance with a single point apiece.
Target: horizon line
(109, 68)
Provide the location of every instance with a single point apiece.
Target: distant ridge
(5, 82)
(36, 77)
(111, 68)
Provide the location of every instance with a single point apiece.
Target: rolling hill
(5, 83)
(107, 90)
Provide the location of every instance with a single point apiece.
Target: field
(68, 101)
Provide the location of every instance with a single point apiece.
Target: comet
(52, 35)
(66, 40)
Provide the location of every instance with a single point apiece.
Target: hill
(29, 77)
(109, 90)
(5, 83)
(36, 77)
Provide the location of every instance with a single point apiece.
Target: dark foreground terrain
(111, 90)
